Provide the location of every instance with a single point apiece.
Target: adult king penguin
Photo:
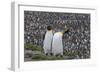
(48, 41)
(57, 43)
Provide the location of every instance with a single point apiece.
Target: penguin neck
(49, 30)
(61, 33)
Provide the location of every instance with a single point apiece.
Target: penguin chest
(48, 40)
(57, 46)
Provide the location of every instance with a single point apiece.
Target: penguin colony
(77, 40)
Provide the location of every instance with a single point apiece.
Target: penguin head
(66, 30)
(49, 28)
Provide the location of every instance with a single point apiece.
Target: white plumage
(48, 42)
(57, 46)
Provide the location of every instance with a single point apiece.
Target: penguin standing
(48, 40)
(57, 43)
(57, 46)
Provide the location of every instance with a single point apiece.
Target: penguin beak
(66, 31)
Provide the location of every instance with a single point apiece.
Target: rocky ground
(76, 42)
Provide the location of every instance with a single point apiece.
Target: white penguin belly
(57, 46)
(47, 42)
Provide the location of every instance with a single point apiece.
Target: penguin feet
(57, 55)
(61, 55)
(46, 54)
(51, 54)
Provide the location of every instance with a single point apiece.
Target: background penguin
(48, 40)
(57, 43)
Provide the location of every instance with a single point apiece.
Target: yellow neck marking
(61, 33)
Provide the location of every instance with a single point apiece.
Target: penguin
(48, 41)
(57, 43)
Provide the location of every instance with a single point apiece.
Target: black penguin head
(66, 29)
(49, 28)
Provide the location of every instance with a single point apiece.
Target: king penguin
(48, 41)
(57, 43)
